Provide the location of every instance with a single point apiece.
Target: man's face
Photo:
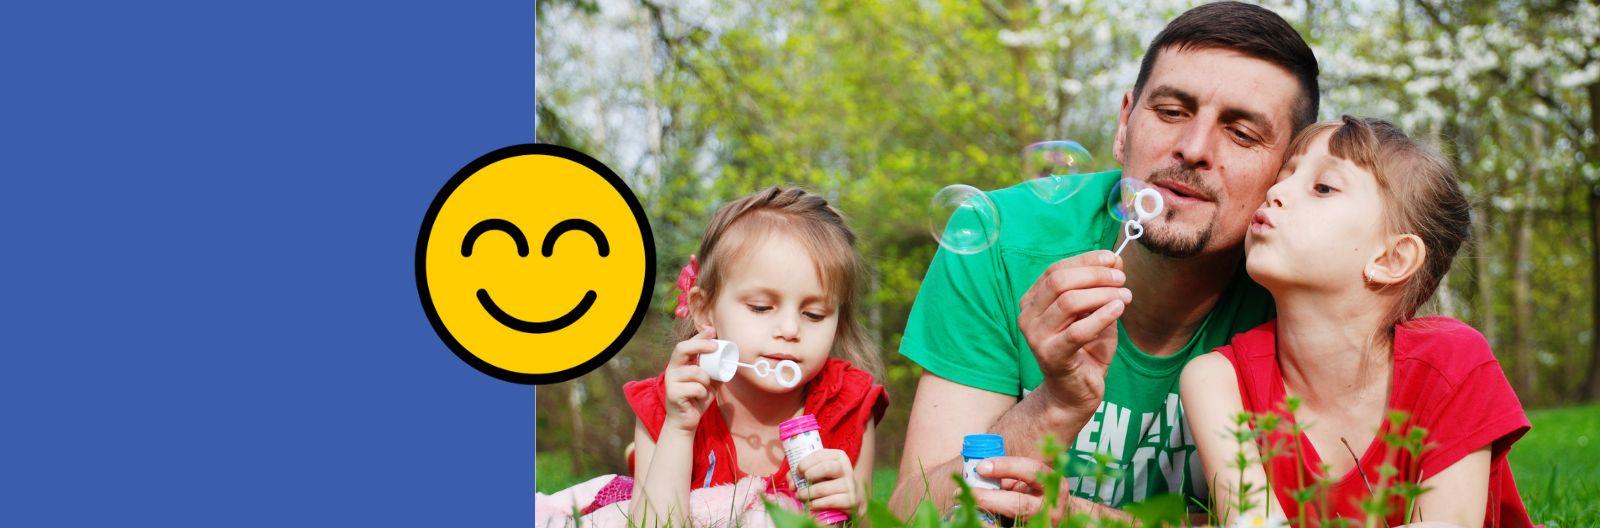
(1209, 131)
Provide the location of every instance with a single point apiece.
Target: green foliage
(966, 513)
(1272, 435)
(878, 513)
(784, 518)
(1558, 487)
(1162, 510)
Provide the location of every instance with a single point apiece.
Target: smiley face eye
(575, 224)
(495, 224)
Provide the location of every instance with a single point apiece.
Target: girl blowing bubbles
(1354, 237)
(778, 275)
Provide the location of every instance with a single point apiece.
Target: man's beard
(1163, 238)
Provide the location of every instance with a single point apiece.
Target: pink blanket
(604, 501)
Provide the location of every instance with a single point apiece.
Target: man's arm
(943, 412)
(1069, 318)
(1039, 414)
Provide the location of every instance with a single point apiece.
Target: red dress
(843, 398)
(1445, 377)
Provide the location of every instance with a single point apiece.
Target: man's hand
(1069, 318)
(1021, 492)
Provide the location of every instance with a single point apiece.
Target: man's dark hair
(1251, 30)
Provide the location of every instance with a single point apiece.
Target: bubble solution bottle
(801, 439)
(975, 448)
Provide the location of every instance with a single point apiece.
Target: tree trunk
(652, 105)
(1446, 298)
(1483, 277)
(1023, 133)
(1522, 292)
(875, 311)
(1591, 385)
(575, 405)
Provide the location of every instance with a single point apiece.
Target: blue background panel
(209, 212)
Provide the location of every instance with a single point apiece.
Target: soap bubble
(964, 219)
(1120, 201)
(1124, 198)
(1050, 168)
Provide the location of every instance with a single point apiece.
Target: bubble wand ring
(1133, 228)
(723, 363)
(765, 369)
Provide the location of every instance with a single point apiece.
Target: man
(1048, 333)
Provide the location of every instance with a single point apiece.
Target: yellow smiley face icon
(535, 264)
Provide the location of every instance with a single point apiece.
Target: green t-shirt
(963, 327)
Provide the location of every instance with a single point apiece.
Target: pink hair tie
(686, 279)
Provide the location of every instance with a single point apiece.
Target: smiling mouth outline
(536, 327)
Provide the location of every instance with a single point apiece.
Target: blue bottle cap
(979, 446)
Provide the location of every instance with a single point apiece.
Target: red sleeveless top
(1448, 381)
(843, 398)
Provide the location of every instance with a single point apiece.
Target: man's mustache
(1189, 178)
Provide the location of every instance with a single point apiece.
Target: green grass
(554, 472)
(1557, 466)
(882, 484)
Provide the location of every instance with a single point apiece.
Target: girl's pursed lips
(1261, 218)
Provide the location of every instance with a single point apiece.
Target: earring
(1366, 276)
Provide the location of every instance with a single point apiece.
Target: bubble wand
(724, 363)
(1133, 227)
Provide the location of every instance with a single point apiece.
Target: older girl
(1354, 238)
